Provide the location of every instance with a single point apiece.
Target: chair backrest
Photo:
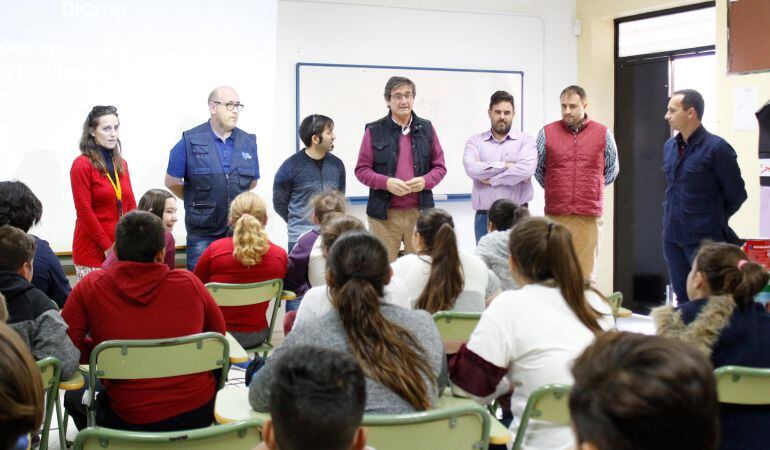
(244, 435)
(226, 294)
(743, 385)
(548, 403)
(455, 427)
(50, 372)
(615, 300)
(456, 326)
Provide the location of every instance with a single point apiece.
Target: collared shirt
(177, 162)
(485, 158)
(405, 129)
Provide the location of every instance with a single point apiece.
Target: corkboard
(748, 41)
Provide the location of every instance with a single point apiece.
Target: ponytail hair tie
(550, 228)
(742, 263)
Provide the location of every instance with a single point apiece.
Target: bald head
(224, 108)
(222, 91)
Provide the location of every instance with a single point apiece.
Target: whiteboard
(454, 100)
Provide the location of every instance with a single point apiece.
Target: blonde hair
(328, 205)
(248, 215)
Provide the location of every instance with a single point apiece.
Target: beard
(502, 127)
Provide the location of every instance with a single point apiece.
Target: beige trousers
(585, 237)
(399, 227)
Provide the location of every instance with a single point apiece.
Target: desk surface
(233, 404)
(76, 382)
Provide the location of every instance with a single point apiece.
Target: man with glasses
(209, 167)
(400, 160)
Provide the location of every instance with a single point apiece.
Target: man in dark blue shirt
(704, 188)
(209, 167)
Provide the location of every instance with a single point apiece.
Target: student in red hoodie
(138, 297)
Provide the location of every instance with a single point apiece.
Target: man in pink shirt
(500, 161)
(400, 160)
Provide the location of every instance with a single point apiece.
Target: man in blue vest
(704, 188)
(209, 167)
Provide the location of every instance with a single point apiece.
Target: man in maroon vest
(576, 158)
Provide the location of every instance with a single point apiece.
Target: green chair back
(743, 385)
(456, 326)
(615, 300)
(456, 427)
(50, 372)
(244, 435)
(548, 403)
(226, 294)
(157, 358)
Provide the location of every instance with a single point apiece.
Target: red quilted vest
(574, 169)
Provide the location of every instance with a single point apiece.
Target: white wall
(364, 32)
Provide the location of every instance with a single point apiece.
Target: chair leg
(63, 421)
(49, 404)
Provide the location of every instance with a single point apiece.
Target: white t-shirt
(316, 265)
(317, 301)
(414, 271)
(533, 332)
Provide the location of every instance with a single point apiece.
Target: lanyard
(118, 190)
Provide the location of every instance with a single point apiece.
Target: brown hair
(446, 281)
(637, 392)
(16, 248)
(334, 227)
(248, 214)
(3, 309)
(358, 270)
(21, 389)
(543, 251)
(154, 201)
(90, 148)
(727, 273)
(327, 205)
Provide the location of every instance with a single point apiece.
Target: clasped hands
(400, 187)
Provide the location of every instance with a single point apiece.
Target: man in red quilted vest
(577, 157)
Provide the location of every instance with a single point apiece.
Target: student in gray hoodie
(493, 246)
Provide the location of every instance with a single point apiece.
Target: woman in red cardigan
(101, 189)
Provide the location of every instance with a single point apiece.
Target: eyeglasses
(398, 97)
(231, 106)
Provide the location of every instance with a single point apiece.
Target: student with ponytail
(440, 277)
(529, 337)
(399, 350)
(724, 322)
(246, 257)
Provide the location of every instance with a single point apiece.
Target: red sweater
(132, 300)
(217, 264)
(97, 210)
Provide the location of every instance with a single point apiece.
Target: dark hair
(692, 99)
(637, 392)
(328, 205)
(21, 389)
(314, 125)
(574, 89)
(501, 96)
(334, 227)
(19, 207)
(90, 148)
(396, 82)
(154, 201)
(503, 214)
(358, 270)
(317, 399)
(543, 251)
(729, 271)
(139, 236)
(446, 281)
(16, 248)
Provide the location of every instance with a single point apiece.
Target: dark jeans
(679, 259)
(196, 245)
(480, 225)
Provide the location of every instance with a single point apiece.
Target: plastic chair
(615, 300)
(743, 385)
(243, 435)
(548, 403)
(50, 372)
(455, 328)
(455, 427)
(156, 358)
(226, 294)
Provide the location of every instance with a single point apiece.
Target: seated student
(162, 203)
(725, 323)
(21, 390)
(528, 337)
(20, 208)
(325, 206)
(30, 312)
(316, 401)
(440, 277)
(246, 257)
(138, 297)
(317, 301)
(637, 392)
(493, 246)
(399, 350)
